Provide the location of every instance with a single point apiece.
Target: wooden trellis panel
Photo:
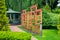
(31, 20)
(23, 18)
(34, 7)
(37, 20)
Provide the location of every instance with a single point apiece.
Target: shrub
(56, 10)
(47, 8)
(14, 36)
(49, 20)
(4, 23)
(58, 26)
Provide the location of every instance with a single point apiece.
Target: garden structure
(31, 20)
(14, 17)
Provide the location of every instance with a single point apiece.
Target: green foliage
(56, 10)
(51, 2)
(46, 19)
(59, 19)
(49, 19)
(54, 19)
(15, 4)
(4, 23)
(47, 8)
(14, 35)
(58, 26)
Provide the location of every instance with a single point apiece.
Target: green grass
(47, 34)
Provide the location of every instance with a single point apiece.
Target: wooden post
(23, 18)
(14, 18)
(41, 24)
(10, 17)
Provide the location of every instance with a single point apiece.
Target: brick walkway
(14, 28)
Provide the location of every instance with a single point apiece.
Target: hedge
(14, 36)
(50, 20)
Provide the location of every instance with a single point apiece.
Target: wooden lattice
(31, 20)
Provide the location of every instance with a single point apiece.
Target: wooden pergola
(14, 16)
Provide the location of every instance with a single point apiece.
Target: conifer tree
(4, 22)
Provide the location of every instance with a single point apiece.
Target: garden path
(14, 28)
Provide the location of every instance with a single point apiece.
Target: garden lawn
(47, 34)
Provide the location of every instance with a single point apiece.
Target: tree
(30, 2)
(4, 23)
(51, 3)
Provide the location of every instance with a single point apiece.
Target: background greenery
(50, 9)
(15, 4)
